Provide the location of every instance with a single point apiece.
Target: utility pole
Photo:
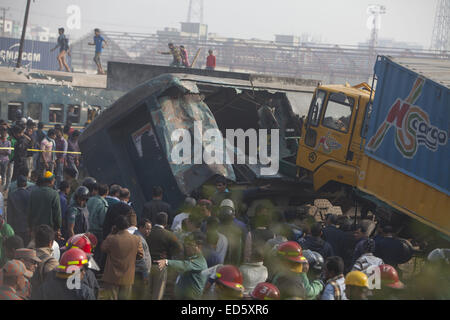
(4, 19)
(22, 39)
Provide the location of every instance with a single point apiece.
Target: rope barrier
(38, 150)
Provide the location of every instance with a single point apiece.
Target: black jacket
(153, 207)
(54, 288)
(17, 209)
(318, 245)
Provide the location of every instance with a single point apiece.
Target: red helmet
(230, 276)
(92, 238)
(291, 251)
(80, 241)
(72, 257)
(265, 291)
(389, 277)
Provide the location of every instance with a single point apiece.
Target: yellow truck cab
(389, 146)
(332, 147)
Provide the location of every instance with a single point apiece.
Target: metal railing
(331, 63)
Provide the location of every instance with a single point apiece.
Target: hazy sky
(335, 21)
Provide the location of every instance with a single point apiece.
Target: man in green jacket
(97, 207)
(6, 231)
(191, 282)
(44, 206)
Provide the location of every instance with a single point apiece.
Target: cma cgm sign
(12, 54)
(74, 19)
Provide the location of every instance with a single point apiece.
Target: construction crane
(195, 11)
(373, 23)
(440, 40)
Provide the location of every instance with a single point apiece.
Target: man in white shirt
(367, 259)
(253, 272)
(189, 204)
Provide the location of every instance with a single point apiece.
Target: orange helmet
(230, 276)
(291, 251)
(265, 291)
(389, 277)
(72, 257)
(80, 241)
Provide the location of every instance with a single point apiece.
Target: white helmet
(439, 255)
(227, 203)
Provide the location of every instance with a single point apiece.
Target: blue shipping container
(36, 54)
(409, 124)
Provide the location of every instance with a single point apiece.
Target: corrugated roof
(437, 70)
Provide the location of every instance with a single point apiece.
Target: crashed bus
(131, 143)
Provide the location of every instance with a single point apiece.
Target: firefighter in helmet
(294, 268)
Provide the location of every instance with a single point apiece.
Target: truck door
(328, 129)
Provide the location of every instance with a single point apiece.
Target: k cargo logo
(412, 125)
(328, 144)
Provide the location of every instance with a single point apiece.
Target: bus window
(93, 112)
(56, 113)
(35, 110)
(15, 110)
(73, 113)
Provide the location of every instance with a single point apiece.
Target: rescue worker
(56, 286)
(356, 285)
(228, 283)
(391, 287)
(82, 241)
(76, 219)
(265, 291)
(294, 267)
(315, 261)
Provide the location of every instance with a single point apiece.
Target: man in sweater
(122, 250)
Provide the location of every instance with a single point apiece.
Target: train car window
(15, 110)
(93, 112)
(56, 113)
(35, 111)
(73, 113)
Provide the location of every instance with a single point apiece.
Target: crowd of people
(213, 247)
(26, 149)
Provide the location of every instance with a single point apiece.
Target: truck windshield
(338, 112)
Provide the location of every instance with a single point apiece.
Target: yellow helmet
(356, 278)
